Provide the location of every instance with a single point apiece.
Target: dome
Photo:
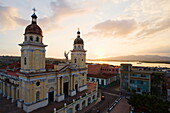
(78, 40)
(33, 29)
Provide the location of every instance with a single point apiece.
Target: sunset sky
(108, 27)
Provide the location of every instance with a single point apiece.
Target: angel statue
(66, 55)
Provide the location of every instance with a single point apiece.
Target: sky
(109, 28)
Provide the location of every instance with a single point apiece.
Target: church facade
(31, 86)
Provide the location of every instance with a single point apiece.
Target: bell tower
(78, 54)
(33, 49)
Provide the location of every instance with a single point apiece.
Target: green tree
(157, 79)
(149, 104)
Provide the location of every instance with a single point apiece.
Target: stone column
(61, 85)
(71, 82)
(8, 91)
(74, 82)
(13, 93)
(4, 89)
(17, 93)
(80, 107)
(105, 83)
(86, 101)
(58, 86)
(20, 90)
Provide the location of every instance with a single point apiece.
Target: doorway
(66, 89)
(102, 82)
(50, 96)
(76, 86)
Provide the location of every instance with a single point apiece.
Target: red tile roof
(13, 65)
(16, 66)
(12, 73)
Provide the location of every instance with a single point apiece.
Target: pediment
(65, 69)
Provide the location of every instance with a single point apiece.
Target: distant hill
(138, 58)
(6, 60)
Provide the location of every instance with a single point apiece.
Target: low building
(102, 68)
(104, 74)
(104, 80)
(138, 79)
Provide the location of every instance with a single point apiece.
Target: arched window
(93, 97)
(77, 107)
(89, 100)
(31, 38)
(83, 104)
(37, 96)
(79, 46)
(75, 60)
(37, 39)
(25, 38)
(25, 61)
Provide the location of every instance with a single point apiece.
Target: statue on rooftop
(66, 55)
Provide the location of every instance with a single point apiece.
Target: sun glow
(99, 53)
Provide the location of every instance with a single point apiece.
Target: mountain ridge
(137, 58)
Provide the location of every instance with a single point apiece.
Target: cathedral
(31, 85)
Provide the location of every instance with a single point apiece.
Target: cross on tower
(34, 10)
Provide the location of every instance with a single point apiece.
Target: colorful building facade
(137, 79)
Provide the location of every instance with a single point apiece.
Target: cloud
(118, 1)
(128, 27)
(7, 15)
(60, 10)
(143, 19)
(154, 27)
(150, 8)
(114, 28)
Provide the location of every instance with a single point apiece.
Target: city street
(110, 96)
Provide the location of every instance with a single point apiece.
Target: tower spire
(34, 10)
(78, 33)
(34, 17)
